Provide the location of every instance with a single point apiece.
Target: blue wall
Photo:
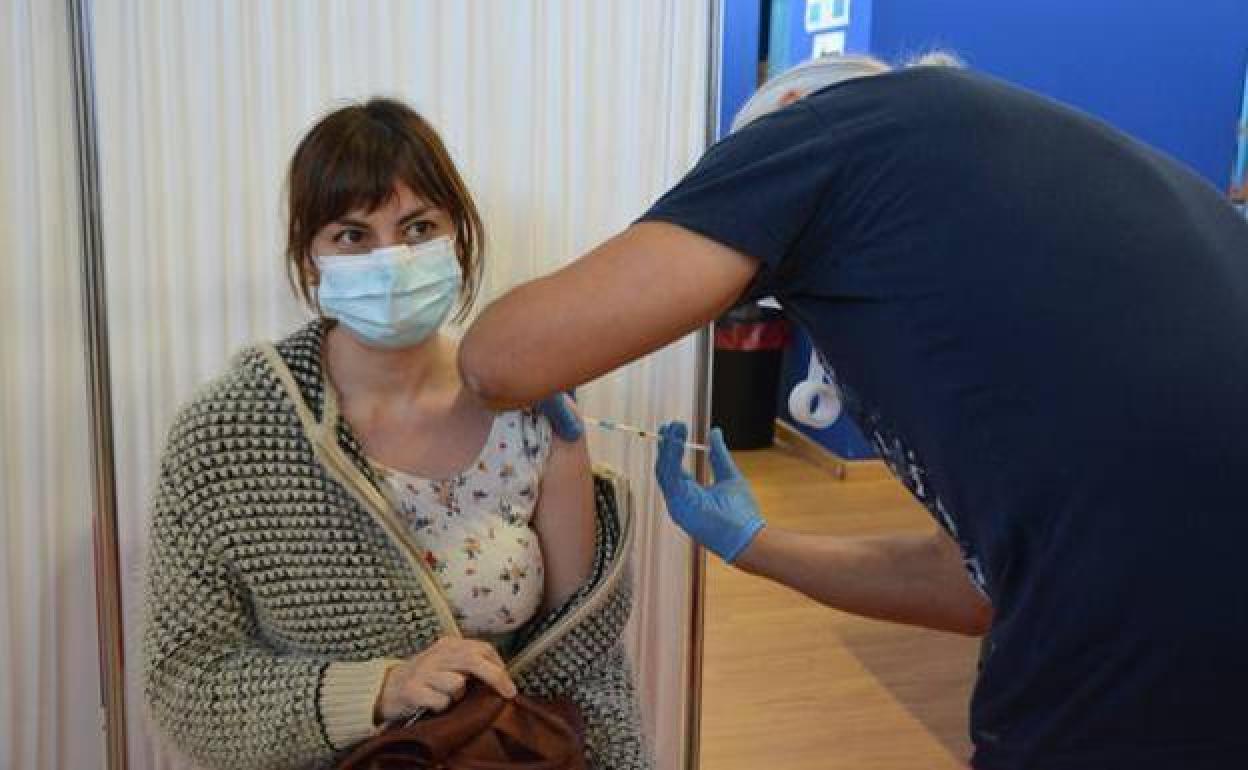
(738, 77)
(791, 45)
(1170, 73)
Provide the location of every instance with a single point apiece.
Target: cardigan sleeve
(605, 694)
(217, 691)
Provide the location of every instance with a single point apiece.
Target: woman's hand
(437, 677)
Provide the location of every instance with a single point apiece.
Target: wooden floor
(791, 685)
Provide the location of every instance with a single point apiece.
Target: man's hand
(724, 516)
(563, 418)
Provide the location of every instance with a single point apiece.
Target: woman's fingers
(495, 676)
(423, 696)
(450, 683)
(488, 670)
(438, 676)
(487, 651)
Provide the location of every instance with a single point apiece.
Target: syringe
(647, 434)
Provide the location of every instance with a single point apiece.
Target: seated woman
(341, 536)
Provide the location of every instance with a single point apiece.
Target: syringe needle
(642, 432)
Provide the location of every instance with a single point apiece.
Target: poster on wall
(826, 14)
(828, 43)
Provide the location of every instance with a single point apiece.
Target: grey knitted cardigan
(280, 584)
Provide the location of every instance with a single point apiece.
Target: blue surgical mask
(393, 297)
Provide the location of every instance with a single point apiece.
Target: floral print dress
(475, 528)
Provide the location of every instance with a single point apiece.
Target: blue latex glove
(564, 420)
(722, 517)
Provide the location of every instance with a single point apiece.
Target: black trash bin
(749, 354)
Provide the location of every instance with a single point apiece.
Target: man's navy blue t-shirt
(1042, 324)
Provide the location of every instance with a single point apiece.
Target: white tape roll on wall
(816, 401)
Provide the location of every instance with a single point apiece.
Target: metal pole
(95, 320)
(702, 421)
(1239, 175)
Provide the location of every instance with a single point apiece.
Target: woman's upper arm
(565, 520)
(635, 293)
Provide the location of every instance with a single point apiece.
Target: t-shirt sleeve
(755, 190)
(538, 436)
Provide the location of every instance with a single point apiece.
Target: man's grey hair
(810, 76)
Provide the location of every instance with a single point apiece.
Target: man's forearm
(916, 579)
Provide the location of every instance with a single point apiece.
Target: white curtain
(49, 671)
(566, 118)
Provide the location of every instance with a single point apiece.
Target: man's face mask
(393, 297)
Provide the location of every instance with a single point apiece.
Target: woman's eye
(349, 237)
(418, 230)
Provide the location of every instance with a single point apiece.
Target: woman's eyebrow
(349, 222)
(416, 212)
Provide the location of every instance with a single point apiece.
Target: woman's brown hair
(351, 159)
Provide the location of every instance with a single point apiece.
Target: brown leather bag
(483, 731)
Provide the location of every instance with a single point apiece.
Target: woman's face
(404, 218)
